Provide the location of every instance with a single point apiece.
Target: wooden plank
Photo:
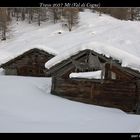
(115, 94)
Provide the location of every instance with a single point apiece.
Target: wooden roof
(35, 50)
(65, 64)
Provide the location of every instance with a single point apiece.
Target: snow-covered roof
(5, 56)
(126, 59)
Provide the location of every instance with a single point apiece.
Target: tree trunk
(132, 13)
(4, 34)
(39, 16)
(23, 14)
(17, 15)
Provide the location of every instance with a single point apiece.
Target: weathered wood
(120, 95)
(31, 63)
(119, 73)
(92, 91)
(138, 97)
(116, 88)
(94, 62)
(60, 68)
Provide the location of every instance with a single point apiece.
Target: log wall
(117, 94)
(29, 64)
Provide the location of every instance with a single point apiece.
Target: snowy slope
(26, 105)
(121, 35)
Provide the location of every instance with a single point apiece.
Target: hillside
(92, 28)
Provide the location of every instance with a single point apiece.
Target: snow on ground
(88, 75)
(121, 36)
(2, 71)
(26, 105)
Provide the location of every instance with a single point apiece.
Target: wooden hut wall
(116, 94)
(119, 73)
(119, 89)
(122, 92)
(31, 63)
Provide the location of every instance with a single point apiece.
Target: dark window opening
(30, 71)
